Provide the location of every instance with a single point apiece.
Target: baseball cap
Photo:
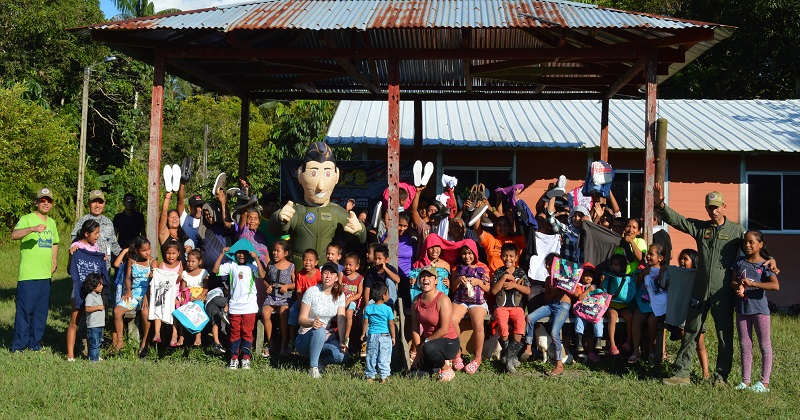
(196, 201)
(331, 267)
(589, 267)
(44, 192)
(714, 198)
(581, 209)
(431, 270)
(97, 195)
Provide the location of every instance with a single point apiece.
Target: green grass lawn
(191, 384)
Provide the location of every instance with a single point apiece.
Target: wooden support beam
(154, 160)
(611, 53)
(223, 85)
(475, 96)
(236, 41)
(626, 77)
(604, 130)
(350, 67)
(244, 137)
(393, 159)
(649, 145)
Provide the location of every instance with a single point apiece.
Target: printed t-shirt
(36, 248)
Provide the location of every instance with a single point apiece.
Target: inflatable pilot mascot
(316, 222)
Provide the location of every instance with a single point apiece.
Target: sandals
(458, 363)
(446, 373)
(472, 367)
(265, 353)
(557, 371)
(411, 356)
(173, 344)
(156, 339)
(633, 359)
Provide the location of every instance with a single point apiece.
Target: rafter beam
(425, 96)
(204, 76)
(610, 53)
(349, 67)
(626, 77)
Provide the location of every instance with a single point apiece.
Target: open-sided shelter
(422, 50)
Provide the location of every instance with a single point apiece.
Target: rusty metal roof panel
(380, 14)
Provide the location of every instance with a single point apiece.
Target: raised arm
(181, 196)
(415, 206)
(163, 231)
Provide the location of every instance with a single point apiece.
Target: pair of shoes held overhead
(560, 189)
(175, 175)
(421, 177)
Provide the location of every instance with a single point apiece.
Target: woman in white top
(315, 339)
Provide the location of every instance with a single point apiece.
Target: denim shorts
(473, 305)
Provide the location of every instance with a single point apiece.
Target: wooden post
(649, 144)
(393, 158)
(244, 138)
(604, 130)
(87, 71)
(154, 161)
(661, 151)
(418, 129)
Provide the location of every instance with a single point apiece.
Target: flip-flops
(168, 178)
(417, 173)
(427, 173)
(219, 183)
(560, 189)
(376, 215)
(176, 177)
(186, 169)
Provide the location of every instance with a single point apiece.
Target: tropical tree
(130, 9)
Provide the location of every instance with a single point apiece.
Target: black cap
(196, 201)
(330, 266)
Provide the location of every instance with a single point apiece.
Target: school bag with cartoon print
(565, 275)
(593, 306)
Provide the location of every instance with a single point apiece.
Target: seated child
(557, 308)
(280, 283)
(379, 332)
(305, 278)
(193, 278)
(509, 284)
(353, 286)
(587, 285)
(616, 267)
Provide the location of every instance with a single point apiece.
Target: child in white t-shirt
(243, 304)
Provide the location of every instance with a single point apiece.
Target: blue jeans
(94, 336)
(580, 326)
(558, 313)
(312, 344)
(379, 353)
(33, 300)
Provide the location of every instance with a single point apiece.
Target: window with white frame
(773, 200)
(628, 189)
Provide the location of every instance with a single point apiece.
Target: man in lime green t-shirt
(38, 260)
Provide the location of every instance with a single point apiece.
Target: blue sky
(107, 6)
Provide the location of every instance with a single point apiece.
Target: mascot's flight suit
(316, 222)
(314, 227)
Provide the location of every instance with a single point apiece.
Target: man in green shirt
(38, 260)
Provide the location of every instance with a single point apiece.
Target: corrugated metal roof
(375, 14)
(694, 125)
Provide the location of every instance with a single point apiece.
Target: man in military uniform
(315, 222)
(718, 244)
